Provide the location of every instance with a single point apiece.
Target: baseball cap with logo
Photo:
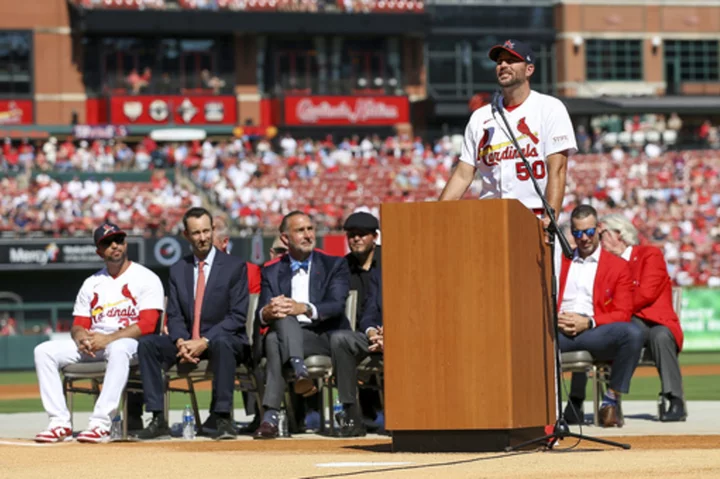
(106, 230)
(514, 47)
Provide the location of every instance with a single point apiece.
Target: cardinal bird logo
(126, 293)
(95, 310)
(486, 139)
(525, 130)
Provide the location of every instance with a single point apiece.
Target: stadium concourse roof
(604, 105)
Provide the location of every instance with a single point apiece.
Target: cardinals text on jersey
(542, 127)
(115, 303)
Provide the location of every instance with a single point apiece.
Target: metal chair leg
(596, 392)
(330, 407)
(124, 415)
(196, 409)
(68, 384)
(291, 417)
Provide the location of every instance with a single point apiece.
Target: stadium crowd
(345, 6)
(671, 196)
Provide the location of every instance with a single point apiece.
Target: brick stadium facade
(62, 62)
(431, 46)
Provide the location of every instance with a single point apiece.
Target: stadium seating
(670, 197)
(357, 6)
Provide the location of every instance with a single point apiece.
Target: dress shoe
(225, 429)
(266, 431)
(304, 386)
(675, 413)
(157, 429)
(574, 413)
(351, 428)
(349, 425)
(252, 427)
(135, 424)
(209, 427)
(610, 416)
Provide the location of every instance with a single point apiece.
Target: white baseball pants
(51, 356)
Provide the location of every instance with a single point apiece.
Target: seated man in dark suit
(595, 304)
(206, 312)
(302, 301)
(364, 259)
(349, 348)
(653, 310)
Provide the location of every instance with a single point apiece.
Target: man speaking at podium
(543, 130)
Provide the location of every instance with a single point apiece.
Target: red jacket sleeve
(617, 308)
(82, 321)
(651, 279)
(148, 320)
(254, 278)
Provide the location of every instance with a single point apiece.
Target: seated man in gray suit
(302, 302)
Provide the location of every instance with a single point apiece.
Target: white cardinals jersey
(115, 303)
(541, 125)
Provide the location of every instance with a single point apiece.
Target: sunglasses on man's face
(107, 242)
(590, 232)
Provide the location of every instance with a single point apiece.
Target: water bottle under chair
(188, 422)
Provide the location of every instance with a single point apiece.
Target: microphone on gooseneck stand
(497, 102)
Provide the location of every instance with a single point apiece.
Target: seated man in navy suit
(206, 313)
(349, 348)
(302, 301)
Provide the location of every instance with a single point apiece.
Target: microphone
(496, 103)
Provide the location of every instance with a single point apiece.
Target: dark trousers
(664, 351)
(348, 349)
(158, 353)
(287, 339)
(620, 343)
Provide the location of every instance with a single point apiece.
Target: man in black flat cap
(350, 347)
(362, 233)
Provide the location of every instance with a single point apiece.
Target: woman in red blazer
(652, 309)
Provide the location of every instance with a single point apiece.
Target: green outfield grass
(697, 388)
(84, 403)
(705, 388)
(19, 377)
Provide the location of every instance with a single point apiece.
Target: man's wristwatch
(308, 310)
(207, 341)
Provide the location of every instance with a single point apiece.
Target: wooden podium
(468, 325)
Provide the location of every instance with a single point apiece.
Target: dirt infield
(31, 391)
(649, 458)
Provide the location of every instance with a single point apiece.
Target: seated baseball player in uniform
(115, 307)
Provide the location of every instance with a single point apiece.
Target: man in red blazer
(653, 310)
(595, 305)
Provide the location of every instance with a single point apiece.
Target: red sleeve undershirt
(147, 321)
(82, 321)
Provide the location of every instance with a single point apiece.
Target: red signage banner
(346, 110)
(180, 110)
(16, 112)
